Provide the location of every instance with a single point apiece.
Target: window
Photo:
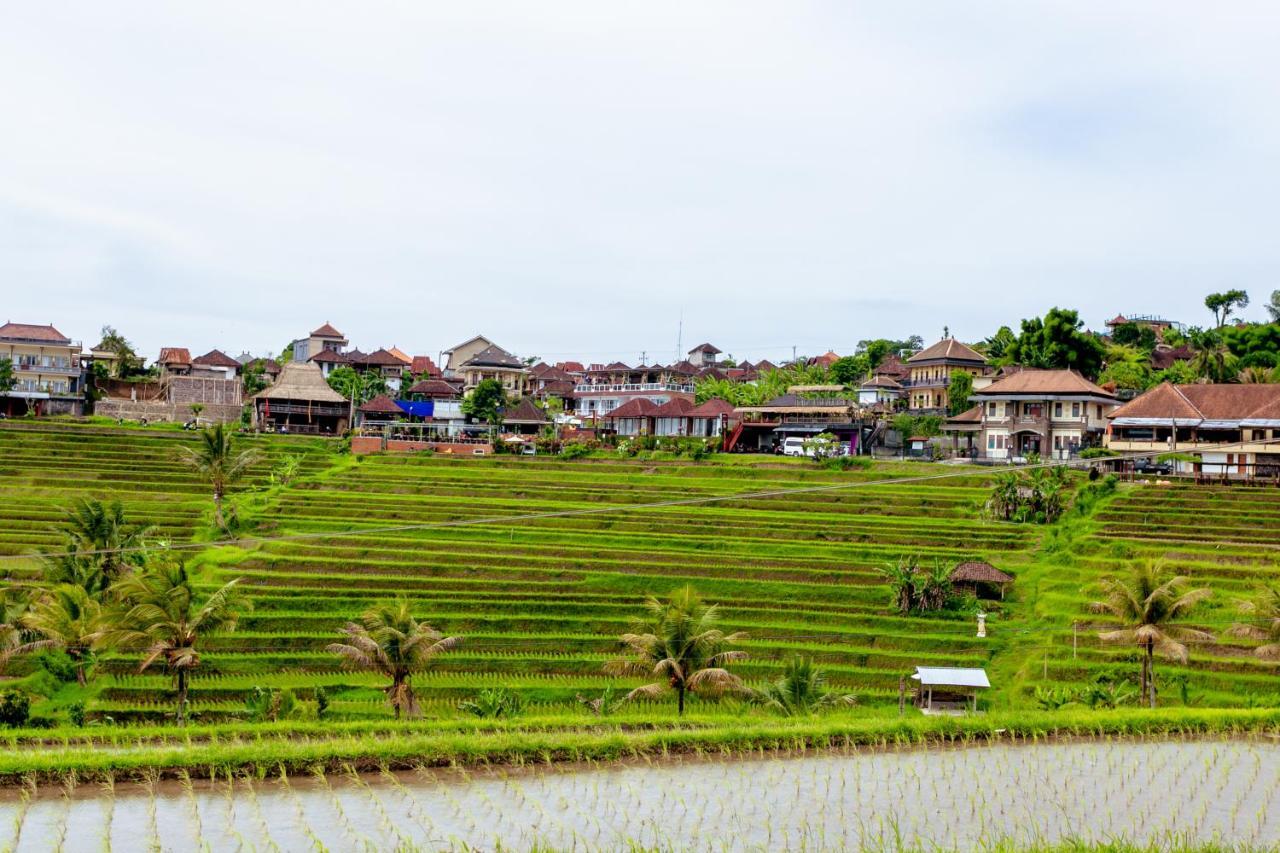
(1075, 410)
(1057, 410)
(991, 409)
(991, 442)
(1099, 411)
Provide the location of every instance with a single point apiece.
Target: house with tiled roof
(423, 367)
(602, 388)
(1052, 413)
(215, 364)
(174, 361)
(1234, 429)
(930, 370)
(881, 390)
(382, 362)
(326, 337)
(493, 362)
(46, 367)
(704, 355)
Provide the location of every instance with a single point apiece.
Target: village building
(1052, 413)
(451, 360)
(804, 411)
(173, 361)
(1155, 323)
(1233, 429)
(930, 371)
(949, 691)
(881, 392)
(215, 364)
(604, 388)
(492, 362)
(46, 367)
(300, 401)
(325, 337)
(383, 363)
(524, 418)
(703, 355)
(329, 360)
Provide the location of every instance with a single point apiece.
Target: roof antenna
(679, 337)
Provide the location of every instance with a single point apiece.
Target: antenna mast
(679, 336)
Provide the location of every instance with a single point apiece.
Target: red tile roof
(435, 388)
(381, 358)
(381, 405)
(326, 331)
(216, 358)
(712, 409)
(174, 355)
(676, 407)
(571, 367)
(401, 355)
(1205, 402)
(705, 348)
(423, 364)
(948, 349)
(328, 356)
(28, 332)
(1043, 382)
(641, 407)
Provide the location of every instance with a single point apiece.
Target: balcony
(635, 388)
(23, 366)
(939, 382)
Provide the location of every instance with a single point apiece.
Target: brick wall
(363, 444)
(154, 412)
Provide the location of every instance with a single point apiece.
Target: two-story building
(1051, 413)
(604, 388)
(46, 368)
(1234, 429)
(324, 338)
(493, 362)
(929, 374)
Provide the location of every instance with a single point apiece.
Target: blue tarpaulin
(417, 408)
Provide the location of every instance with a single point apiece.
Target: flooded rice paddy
(955, 798)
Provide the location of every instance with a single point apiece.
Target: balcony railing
(637, 387)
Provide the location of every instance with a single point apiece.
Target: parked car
(794, 446)
(1152, 466)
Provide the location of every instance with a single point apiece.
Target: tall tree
(959, 390)
(65, 617)
(849, 370)
(98, 545)
(997, 347)
(364, 386)
(1223, 305)
(162, 615)
(127, 362)
(681, 644)
(1146, 606)
(1211, 360)
(7, 377)
(218, 463)
(390, 641)
(1056, 342)
(1273, 307)
(486, 401)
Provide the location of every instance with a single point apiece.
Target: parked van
(794, 446)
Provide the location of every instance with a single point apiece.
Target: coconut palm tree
(99, 544)
(679, 642)
(217, 461)
(66, 617)
(802, 689)
(161, 614)
(1264, 623)
(1145, 605)
(388, 640)
(14, 601)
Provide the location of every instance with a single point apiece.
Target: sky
(600, 180)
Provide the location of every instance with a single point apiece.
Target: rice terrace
(439, 651)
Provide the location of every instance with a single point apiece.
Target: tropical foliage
(66, 617)
(388, 640)
(1146, 606)
(486, 401)
(1058, 341)
(801, 689)
(1263, 622)
(681, 643)
(915, 589)
(98, 545)
(218, 463)
(1037, 495)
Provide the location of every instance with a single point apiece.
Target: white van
(794, 446)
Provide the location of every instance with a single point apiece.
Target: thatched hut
(301, 401)
(980, 577)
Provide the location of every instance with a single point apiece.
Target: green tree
(1273, 307)
(1211, 360)
(959, 390)
(388, 640)
(1146, 606)
(65, 617)
(1141, 338)
(1127, 375)
(1179, 373)
(218, 463)
(681, 643)
(163, 616)
(364, 386)
(253, 377)
(1223, 305)
(7, 377)
(486, 401)
(98, 544)
(127, 362)
(849, 370)
(801, 690)
(1058, 342)
(998, 346)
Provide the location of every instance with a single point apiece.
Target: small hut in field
(982, 579)
(949, 691)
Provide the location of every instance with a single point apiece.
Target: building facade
(1051, 413)
(47, 371)
(929, 374)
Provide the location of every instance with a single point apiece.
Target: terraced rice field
(1226, 538)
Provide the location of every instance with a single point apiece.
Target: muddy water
(953, 799)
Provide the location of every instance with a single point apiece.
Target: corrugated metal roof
(937, 676)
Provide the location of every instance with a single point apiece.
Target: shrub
(1098, 453)
(847, 463)
(575, 450)
(75, 713)
(15, 708)
(321, 695)
(494, 702)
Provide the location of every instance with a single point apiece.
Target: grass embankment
(262, 750)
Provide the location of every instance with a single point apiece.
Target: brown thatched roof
(300, 380)
(976, 571)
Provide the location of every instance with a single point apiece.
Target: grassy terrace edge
(502, 746)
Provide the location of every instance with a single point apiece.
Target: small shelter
(380, 408)
(949, 691)
(524, 418)
(980, 577)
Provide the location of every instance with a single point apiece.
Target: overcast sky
(570, 179)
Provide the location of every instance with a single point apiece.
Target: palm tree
(1265, 622)
(161, 614)
(99, 545)
(1211, 360)
(802, 689)
(1145, 604)
(14, 601)
(66, 617)
(680, 643)
(218, 463)
(388, 640)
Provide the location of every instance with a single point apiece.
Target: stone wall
(158, 411)
(363, 444)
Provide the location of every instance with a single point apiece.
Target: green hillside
(540, 601)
